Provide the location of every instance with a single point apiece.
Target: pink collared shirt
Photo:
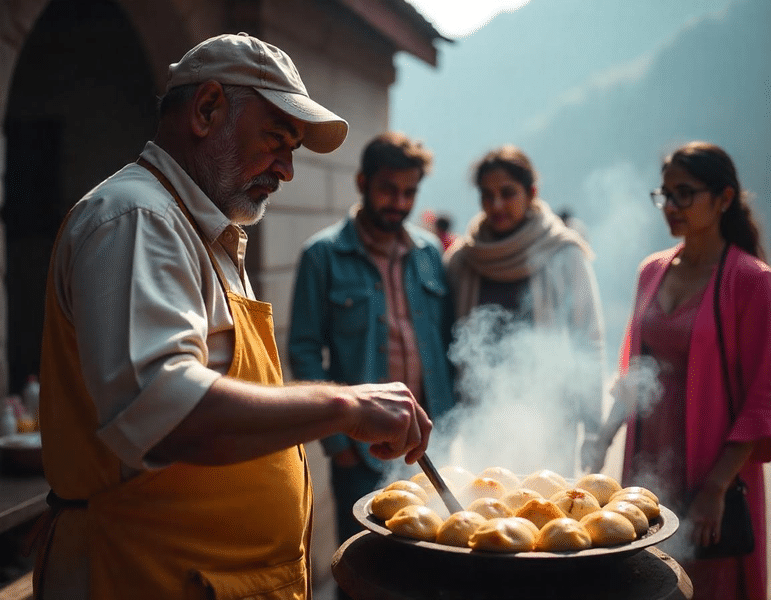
(403, 354)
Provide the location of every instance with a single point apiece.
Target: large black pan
(663, 527)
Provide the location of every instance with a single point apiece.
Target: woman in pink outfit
(683, 440)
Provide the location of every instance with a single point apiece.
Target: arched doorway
(80, 107)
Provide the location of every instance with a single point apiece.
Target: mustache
(265, 180)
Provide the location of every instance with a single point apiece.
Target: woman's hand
(706, 514)
(706, 510)
(593, 451)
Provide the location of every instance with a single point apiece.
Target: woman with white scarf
(519, 255)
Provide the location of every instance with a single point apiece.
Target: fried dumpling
(516, 499)
(540, 511)
(636, 489)
(388, 502)
(490, 508)
(641, 501)
(575, 503)
(633, 513)
(458, 528)
(600, 486)
(423, 481)
(563, 534)
(456, 478)
(608, 528)
(503, 535)
(503, 475)
(408, 486)
(545, 482)
(416, 522)
(481, 487)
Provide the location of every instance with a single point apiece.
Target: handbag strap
(719, 327)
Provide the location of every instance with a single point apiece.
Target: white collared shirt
(152, 321)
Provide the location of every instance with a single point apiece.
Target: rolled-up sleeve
(134, 285)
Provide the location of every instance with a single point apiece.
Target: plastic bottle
(30, 396)
(7, 419)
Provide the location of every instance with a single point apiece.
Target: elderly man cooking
(173, 450)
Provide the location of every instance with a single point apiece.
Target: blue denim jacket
(339, 306)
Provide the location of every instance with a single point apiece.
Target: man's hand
(388, 416)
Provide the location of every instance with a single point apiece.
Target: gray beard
(218, 177)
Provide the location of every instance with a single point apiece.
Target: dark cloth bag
(736, 536)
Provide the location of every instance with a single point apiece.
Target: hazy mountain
(595, 93)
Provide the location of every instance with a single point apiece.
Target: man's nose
(283, 166)
(496, 201)
(402, 199)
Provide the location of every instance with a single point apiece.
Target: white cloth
(130, 262)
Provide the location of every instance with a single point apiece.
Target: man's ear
(361, 182)
(209, 108)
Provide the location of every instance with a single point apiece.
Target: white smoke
(520, 389)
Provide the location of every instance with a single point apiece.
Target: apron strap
(164, 181)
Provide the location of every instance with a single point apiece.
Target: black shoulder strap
(719, 327)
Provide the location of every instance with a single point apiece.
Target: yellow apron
(189, 532)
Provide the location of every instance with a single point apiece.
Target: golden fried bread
(490, 508)
(503, 475)
(503, 535)
(408, 486)
(545, 482)
(516, 499)
(423, 481)
(600, 486)
(563, 534)
(575, 503)
(481, 487)
(540, 511)
(388, 502)
(458, 528)
(416, 522)
(635, 515)
(641, 501)
(608, 528)
(636, 489)
(456, 478)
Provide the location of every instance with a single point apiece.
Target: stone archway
(80, 106)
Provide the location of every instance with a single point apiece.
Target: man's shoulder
(131, 188)
(424, 239)
(340, 233)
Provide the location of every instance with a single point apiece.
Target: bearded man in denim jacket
(371, 304)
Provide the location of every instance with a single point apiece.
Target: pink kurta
(745, 302)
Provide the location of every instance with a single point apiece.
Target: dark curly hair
(712, 165)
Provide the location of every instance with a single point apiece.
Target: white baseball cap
(244, 60)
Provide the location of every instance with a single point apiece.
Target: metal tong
(436, 480)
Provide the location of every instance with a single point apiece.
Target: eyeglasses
(682, 197)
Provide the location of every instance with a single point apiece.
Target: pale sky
(458, 18)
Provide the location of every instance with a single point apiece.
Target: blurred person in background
(371, 294)
(441, 226)
(519, 255)
(174, 453)
(688, 446)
